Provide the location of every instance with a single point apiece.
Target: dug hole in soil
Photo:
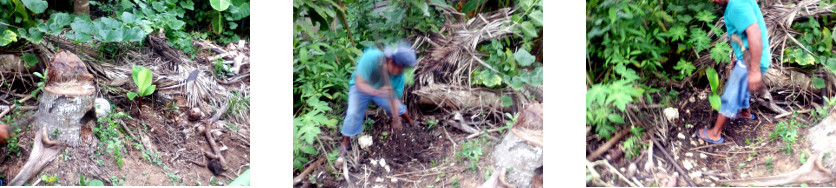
(417, 156)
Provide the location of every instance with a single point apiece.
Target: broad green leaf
(95, 183)
(77, 37)
(187, 4)
(110, 35)
(506, 101)
(127, 17)
(175, 24)
(7, 36)
(528, 29)
(131, 95)
(30, 59)
(523, 57)
(110, 23)
(309, 150)
(83, 26)
(685, 18)
(598, 93)
(677, 33)
(148, 90)
(714, 99)
(492, 79)
(471, 5)
(831, 64)
(615, 118)
(807, 59)
(219, 5)
(239, 12)
(713, 81)
(126, 4)
(440, 2)
(309, 132)
(536, 17)
(423, 6)
(818, 83)
(56, 22)
(34, 35)
(36, 6)
(159, 6)
(134, 34)
(720, 53)
(706, 16)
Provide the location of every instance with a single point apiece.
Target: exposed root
(810, 172)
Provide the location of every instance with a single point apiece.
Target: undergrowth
(107, 131)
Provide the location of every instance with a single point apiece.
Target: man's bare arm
(753, 33)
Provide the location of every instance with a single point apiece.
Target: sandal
(709, 140)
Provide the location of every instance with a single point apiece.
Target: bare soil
(165, 131)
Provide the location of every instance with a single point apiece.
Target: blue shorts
(356, 112)
(736, 94)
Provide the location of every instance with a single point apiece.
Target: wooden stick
(708, 146)
(307, 171)
(790, 113)
(608, 144)
(672, 161)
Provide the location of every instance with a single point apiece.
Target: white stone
(702, 96)
(671, 113)
(687, 165)
(102, 107)
(394, 180)
(689, 154)
(387, 168)
(692, 99)
(364, 141)
(743, 175)
(374, 162)
(694, 143)
(378, 180)
(382, 162)
(680, 136)
(695, 175)
(703, 156)
(714, 178)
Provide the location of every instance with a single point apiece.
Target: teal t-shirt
(368, 67)
(739, 15)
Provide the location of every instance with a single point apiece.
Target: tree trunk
(67, 98)
(81, 7)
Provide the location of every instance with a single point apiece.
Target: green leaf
(598, 93)
(807, 59)
(828, 40)
(536, 17)
(471, 5)
(34, 35)
(423, 6)
(30, 59)
(677, 33)
(720, 53)
(714, 99)
(83, 26)
(506, 101)
(523, 57)
(621, 93)
(148, 90)
(219, 5)
(36, 6)
(528, 29)
(309, 150)
(110, 35)
(134, 34)
(685, 68)
(706, 16)
(131, 95)
(239, 12)
(187, 4)
(127, 17)
(159, 6)
(712, 79)
(57, 22)
(309, 132)
(95, 183)
(77, 37)
(615, 118)
(818, 83)
(699, 39)
(7, 36)
(175, 24)
(440, 2)
(831, 64)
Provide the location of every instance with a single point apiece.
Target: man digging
(743, 18)
(368, 83)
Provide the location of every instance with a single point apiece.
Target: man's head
(398, 58)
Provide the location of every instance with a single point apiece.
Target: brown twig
(708, 146)
(608, 144)
(307, 171)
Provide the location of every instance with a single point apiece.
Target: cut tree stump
(67, 99)
(518, 151)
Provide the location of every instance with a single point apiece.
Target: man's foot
(745, 114)
(710, 136)
(408, 119)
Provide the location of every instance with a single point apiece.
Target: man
(743, 18)
(367, 84)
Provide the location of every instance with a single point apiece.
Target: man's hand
(385, 92)
(4, 133)
(755, 81)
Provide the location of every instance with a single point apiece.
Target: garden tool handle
(736, 39)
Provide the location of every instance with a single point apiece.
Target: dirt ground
(166, 132)
(419, 156)
(747, 151)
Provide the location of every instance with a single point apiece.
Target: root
(810, 172)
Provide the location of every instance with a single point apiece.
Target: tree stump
(67, 101)
(522, 149)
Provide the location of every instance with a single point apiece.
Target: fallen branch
(790, 113)
(591, 167)
(208, 134)
(810, 172)
(608, 144)
(307, 171)
(43, 152)
(708, 146)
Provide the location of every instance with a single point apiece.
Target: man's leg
(732, 99)
(355, 114)
(714, 132)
